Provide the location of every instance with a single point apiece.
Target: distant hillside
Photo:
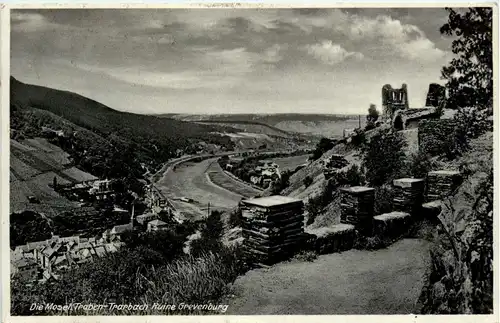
(104, 142)
(294, 123)
(250, 126)
(142, 129)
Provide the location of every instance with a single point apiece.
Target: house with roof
(156, 225)
(120, 229)
(101, 189)
(256, 179)
(143, 219)
(46, 256)
(56, 255)
(24, 269)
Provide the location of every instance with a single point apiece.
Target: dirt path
(386, 281)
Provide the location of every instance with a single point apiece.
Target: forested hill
(95, 116)
(103, 141)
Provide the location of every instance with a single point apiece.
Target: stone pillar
(357, 207)
(442, 183)
(273, 228)
(408, 195)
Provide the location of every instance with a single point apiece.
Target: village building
(45, 260)
(156, 225)
(120, 229)
(101, 189)
(25, 269)
(143, 219)
(50, 131)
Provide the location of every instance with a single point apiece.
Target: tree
(372, 117)
(323, 146)
(372, 114)
(308, 181)
(470, 75)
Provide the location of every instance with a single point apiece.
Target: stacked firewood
(273, 228)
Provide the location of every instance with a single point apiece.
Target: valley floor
(190, 180)
(386, 281)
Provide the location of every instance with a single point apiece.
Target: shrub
(168, 243)
(192, 280)
(308, 181)
(354, 176)
(323, 146)
(136, 278)
(235, 219)
(384, 157)
(306, 255)
(420, 164)
(210, 235)
(384, 196)
(28, 226)
(359, 138)
(282, 183)
(371, 243)
(474, 121)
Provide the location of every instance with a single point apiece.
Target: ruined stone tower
(435, 95)
(394, 99)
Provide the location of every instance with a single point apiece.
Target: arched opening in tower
(398, 123)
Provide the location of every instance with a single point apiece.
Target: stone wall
(331, 239)
(435, 135)
(273, 227)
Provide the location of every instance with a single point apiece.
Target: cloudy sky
(231, 61)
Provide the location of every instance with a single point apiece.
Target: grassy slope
(34, 169)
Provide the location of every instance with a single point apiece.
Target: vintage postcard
(231, 160)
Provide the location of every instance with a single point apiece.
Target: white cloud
(159, 79)
(27, 22)
(392, 36)
(423, 50)
(330, 53)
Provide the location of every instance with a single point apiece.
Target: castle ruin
(394, 99)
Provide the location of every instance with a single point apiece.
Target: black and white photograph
(244, 160)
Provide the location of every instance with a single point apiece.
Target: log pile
(391, 224)
(408, 195)
(442, 183)
(357, 204)
(273, 228)
(336, 238)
